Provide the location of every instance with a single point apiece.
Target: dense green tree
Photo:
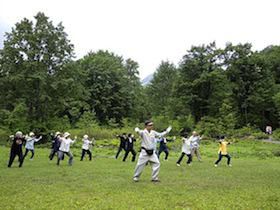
(160, 90)
(110, 82)
(253, 85)
(30, 62)
(202, 84)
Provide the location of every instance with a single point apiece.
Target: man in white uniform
(147, 153)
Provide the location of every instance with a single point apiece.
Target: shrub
(276, 135)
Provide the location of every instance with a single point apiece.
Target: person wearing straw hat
(29, 146)
(147, 153)
(64, 148)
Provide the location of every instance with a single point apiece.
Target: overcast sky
(149, 31)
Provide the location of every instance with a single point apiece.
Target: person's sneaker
(216, 165)
(31, 159)
(189, 164)
(155, 180)
(178, 164)
(229, 165)
(135, 179)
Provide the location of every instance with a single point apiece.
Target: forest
(43, 87)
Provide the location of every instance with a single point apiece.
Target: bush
(249, 133)
(276, 135)
(276, 153)
(210, 127)
(4, 136)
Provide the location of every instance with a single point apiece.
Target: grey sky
(149, 31)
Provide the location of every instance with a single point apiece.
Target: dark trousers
(84, 151)
(53, 152)
(132, 152)
(26, 152)
(13, 154)
(119, 151)
(221, 156)
(165, 150)
(182, 156)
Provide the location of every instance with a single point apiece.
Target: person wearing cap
(64, 148)
(195, 141)
(147, 153)
(123, 142)
(223, 151)
(129, 147)
(16, 149)
(86, 147)
(29, 146)
(186, 150)
(55, 144)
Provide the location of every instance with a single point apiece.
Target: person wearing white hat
(29, 146)
(86, 147)
(147, 153)
(16, 149)
(64, 148)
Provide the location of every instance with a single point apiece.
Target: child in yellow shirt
(223, 151)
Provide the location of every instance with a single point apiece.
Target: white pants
(142, 161)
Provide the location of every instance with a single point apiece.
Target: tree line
(43, 86)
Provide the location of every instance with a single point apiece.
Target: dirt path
(270, 140)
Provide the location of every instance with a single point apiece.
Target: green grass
(105, 183)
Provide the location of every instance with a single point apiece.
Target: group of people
(16, 150)
(148, 154)
(190, 148)
(126, 144)
(60, 146)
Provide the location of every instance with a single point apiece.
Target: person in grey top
(147, 153)
(195, 142)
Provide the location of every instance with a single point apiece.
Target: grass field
(253, 182)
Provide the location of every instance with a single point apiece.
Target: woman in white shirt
(64, 148)
(186, 150)
(86, 147)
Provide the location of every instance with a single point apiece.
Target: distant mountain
(147, 80)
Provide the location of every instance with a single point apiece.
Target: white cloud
(149, 31)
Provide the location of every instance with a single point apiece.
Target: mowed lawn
(106, 183)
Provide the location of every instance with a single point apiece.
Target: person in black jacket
(129, 147)
(123, 139)
(55, 145)
(163, 147)
(16, 149)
